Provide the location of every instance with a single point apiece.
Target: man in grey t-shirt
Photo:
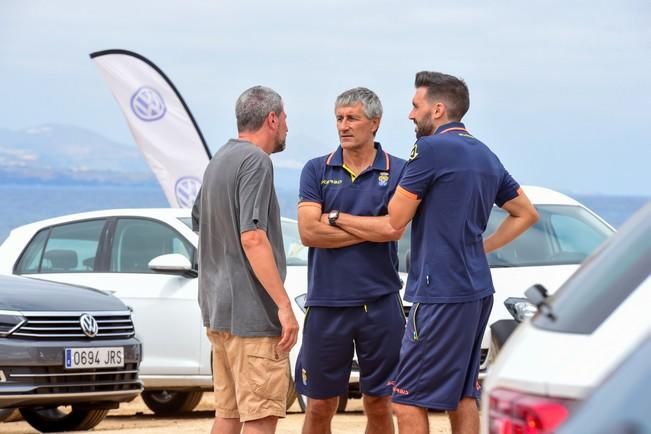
(244, 305)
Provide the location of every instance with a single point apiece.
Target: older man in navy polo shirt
(353, 301)
(449, 186)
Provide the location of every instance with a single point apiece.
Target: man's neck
(438, 123)
(360, 158)
(258, 138)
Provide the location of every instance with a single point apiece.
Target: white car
(128, 252)
(145, 257)
(548, 253)
(579, 335)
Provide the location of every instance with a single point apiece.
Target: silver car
(68, 354)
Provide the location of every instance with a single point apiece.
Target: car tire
(341, 405)
(9, 414)
(171, 402)
(55, 420)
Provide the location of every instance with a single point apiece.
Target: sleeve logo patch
(414, 152)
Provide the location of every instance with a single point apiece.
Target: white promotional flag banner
(160, 122)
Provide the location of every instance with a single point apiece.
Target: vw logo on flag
(88, 325)
(186, 190)
(147, 104)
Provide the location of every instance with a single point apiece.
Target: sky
(559, 90)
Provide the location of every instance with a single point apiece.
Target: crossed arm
(350, 230)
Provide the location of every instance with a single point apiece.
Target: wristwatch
(332, 217)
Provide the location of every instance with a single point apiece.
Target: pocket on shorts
(416, 334)
(401, 308)
(268, 375)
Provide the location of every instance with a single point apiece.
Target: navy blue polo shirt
(458, 179)
(359, 274)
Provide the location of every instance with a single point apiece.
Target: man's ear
(376, 125)
(439, 110)
(272, 120)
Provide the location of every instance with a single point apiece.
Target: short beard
(280, 147)
(424, 128)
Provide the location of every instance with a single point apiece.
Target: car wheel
(341, 405)
(9, 414)
(171, 402)
(69, 418)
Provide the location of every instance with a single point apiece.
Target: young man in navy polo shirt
(449, 186)
(353, 301)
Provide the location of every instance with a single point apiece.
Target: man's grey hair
(370, 102)
(253, 107)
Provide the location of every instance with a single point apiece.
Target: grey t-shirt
(237, 195)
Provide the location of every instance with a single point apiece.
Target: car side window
(138, 241)
(72, 248)
(574, 236)
(30, 260)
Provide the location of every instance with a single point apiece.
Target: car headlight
(300, 302)
(520, 308)
(9, 321)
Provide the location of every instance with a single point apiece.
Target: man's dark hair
(451, 90)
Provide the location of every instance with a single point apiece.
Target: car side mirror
(536, 294)
(173, 263)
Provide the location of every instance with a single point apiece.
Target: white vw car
(146, 257)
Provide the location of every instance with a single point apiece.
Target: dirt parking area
(136, 418)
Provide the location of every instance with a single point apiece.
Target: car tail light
(513, 412)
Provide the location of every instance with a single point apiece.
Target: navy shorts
(440, 354)
(332, 334)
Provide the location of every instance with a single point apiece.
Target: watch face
(333, 214)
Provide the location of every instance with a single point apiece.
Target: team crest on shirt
(414, 152)
(383, 179)
(304, 376)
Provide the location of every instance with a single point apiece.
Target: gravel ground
(136, 418)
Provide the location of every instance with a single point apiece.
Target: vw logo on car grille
(88, 325)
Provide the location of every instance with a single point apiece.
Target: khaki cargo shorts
(250, 376)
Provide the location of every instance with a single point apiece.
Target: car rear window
(606, 279)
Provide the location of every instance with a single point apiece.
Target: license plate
(105, 357)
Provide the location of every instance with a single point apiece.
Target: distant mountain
(56, 154)
(68, 154)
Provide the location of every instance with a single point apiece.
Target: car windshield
(295, 252)
(604, 281)
(186, 221)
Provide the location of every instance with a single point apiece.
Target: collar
(381, 161)
(450, 126)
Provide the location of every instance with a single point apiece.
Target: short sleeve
(507, 190)
(418, 173)
(310, 184)
(255, 191)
